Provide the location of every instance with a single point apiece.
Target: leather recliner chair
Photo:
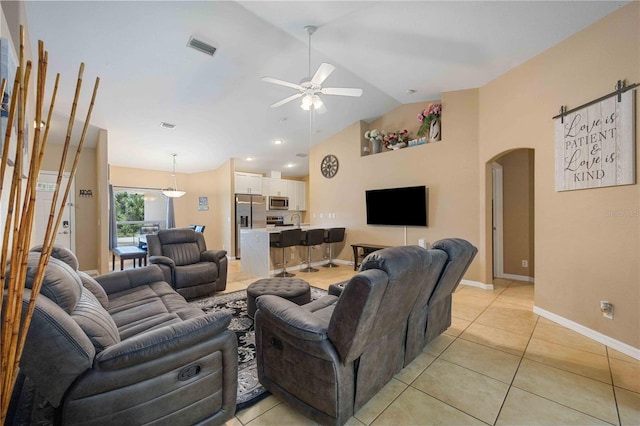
(431, 313)
(329, 357)
(188, 266)
(125, 348)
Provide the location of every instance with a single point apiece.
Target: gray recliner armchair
(329, 357)
(125, 348)
(431, 313)
(188, 266)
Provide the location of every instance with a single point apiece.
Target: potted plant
(397, 139)
(430, 122)
(376, 137)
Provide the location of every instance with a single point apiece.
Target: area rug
(250, 390)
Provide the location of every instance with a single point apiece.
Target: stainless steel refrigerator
(251, 212)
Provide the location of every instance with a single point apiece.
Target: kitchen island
(256, 251)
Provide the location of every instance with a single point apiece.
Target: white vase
(376, 146)
(434, 131)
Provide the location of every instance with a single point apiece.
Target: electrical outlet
(525, 263)
(293, 255)
(607, 309)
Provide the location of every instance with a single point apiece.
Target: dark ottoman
(293, 289)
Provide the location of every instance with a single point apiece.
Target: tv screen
(397, 206)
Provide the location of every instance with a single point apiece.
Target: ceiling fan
(311, 87)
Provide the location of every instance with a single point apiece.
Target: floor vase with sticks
(20, 211)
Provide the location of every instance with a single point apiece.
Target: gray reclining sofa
(125, 348)
(328, 358)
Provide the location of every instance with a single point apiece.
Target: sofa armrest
(167, 265)
(162, 260)
(291, 318)
(213, 255)
(337, 288)
(117, 281)
(162, 341)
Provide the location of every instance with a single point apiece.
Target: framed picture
(595, 145)
(8, 65)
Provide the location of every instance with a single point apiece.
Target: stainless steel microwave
(278, 203)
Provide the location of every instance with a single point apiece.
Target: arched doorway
(513, 215)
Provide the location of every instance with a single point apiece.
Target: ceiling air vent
(201, 46)
(167, 125)
(301, 155)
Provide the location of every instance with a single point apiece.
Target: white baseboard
(478, 284)
(517, 277)
(587, 332)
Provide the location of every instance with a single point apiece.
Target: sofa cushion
(147, 307)
(94, 287)
(62, 254)
(60, 282)
(95, 321)
(196, 274)
(183, 253)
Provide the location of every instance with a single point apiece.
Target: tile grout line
(613, 386)
(516, 372)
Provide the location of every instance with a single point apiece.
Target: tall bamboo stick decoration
(21, 212)
(50, 236)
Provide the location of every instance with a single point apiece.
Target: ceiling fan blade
(324, 71)
(285, 100)
(281, 83)
(341, 91)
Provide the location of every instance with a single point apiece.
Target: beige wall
(583, 253)
(86, 208)
(154, 179)
(215, 184)
(448, 168)
(518, 221)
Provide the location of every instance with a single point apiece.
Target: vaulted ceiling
(219, 104)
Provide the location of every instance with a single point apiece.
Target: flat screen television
(397, 206)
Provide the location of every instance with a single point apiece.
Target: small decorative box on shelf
(419, 141)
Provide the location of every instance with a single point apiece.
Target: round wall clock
(329, 166)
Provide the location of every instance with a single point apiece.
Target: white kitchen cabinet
(301, 193)
(278, 188)
(297, 195)
(248, 183)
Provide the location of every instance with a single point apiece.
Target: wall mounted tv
(397, 206)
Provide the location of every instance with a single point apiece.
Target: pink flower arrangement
(397, 137)
(425, 117)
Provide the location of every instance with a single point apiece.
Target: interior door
(65, 234)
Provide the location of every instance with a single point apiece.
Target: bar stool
(287, 238)
(333, 235)
(312, 237)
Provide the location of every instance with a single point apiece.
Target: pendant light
(173, 192)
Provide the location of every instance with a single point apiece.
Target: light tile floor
(498, 364)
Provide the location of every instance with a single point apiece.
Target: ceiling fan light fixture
(307, 101)
(317, 102)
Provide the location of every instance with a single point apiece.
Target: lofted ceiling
(219, 104)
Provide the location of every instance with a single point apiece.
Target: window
(138, 209)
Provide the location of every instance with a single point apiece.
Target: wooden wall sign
(595, 145)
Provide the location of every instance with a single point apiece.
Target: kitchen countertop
(274, 229)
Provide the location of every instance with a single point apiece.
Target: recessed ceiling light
(410, 91)
(248, 159)
(290, 165)
(277, 142)
(167, 125)
(301, 155)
